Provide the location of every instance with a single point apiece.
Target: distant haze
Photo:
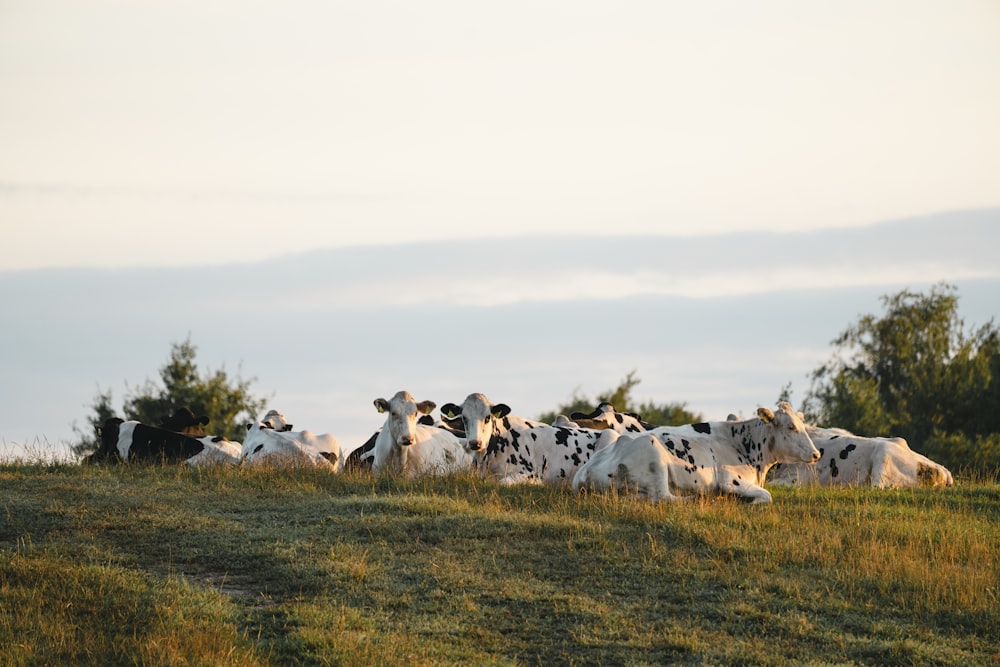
(721, 323)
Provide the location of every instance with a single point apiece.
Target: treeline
(914, 371)
(918, 372)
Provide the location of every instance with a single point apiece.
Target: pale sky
(172, 132)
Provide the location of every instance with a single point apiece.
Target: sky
(170, 133)
(138, 138)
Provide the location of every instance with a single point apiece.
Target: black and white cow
(408, 446)
(730, 457)
(272, 441)
(852, 460)
(132, 441)
(605, 416)
(515, 450)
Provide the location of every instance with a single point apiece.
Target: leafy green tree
(226, 400)
(666, 414)
(914, 372)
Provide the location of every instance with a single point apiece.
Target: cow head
(402, 421)
(788, 441)
(607, 415)
(277, 421)
(184, 421)
(479, 417)
(107, 451)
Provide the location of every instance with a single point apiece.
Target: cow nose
(475, 445)
(816, 456)
(406, 440)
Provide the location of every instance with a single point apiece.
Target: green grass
(170, 566)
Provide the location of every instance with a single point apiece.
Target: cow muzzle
(475, 445)
(405, 441)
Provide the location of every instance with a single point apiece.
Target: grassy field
(171, 566)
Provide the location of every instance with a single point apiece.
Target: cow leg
(659, 489)
(745, 489)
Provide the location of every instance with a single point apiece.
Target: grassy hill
(170, 566)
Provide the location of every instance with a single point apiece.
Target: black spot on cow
(833, 468)
(362, 457)
(702, 427)
(847, 451)
(514, 435)
(562, 436)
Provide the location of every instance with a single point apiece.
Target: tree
(667, 414)
(226, 401)
(914, 372)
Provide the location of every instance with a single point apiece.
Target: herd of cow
(602, 450)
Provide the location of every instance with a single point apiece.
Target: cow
(135, 442)
(361, 457)
(183, 420)
(730, 457)
(605, 416)
(515, 450)
(852, 460)
(408, 446)
(264, 443)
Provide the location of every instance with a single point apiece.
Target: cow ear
(426, 407)
(500, 410)
(450, 410)
(381, 405)
(765, 414)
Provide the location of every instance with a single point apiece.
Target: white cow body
(217, 451)
(730, 457)
(853, 460)
(632, 464)
(404, 446)
(515, 450)
(264, 444)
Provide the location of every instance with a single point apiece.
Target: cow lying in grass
(708, 458)
(852, 460)
(135, 442)
(515, 450)
(272, 441)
